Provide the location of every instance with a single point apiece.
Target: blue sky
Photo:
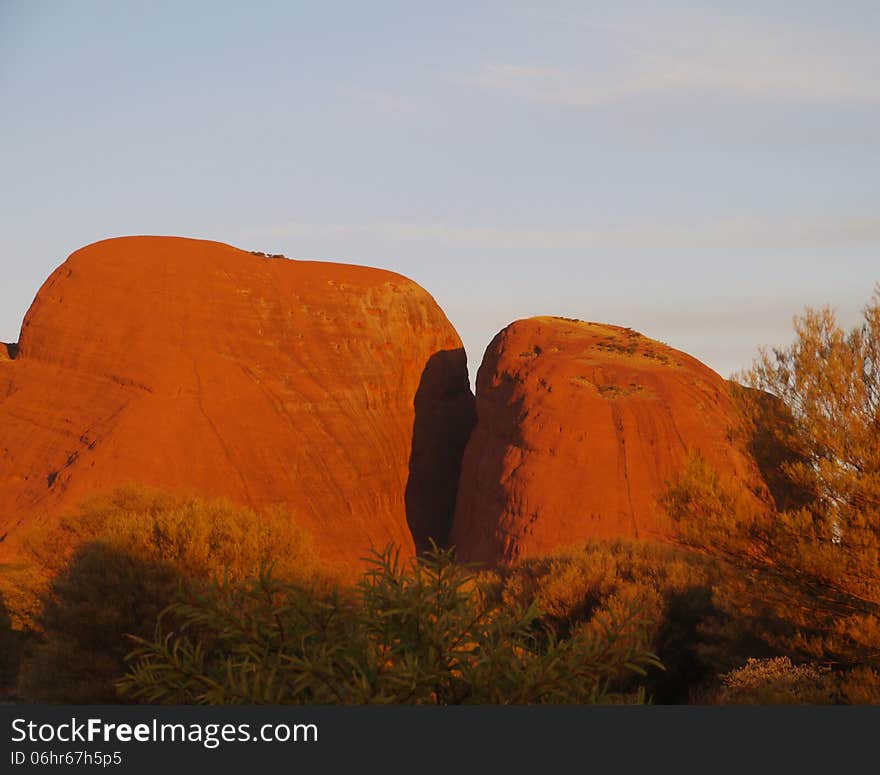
(699, 171)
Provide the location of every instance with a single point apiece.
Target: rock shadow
(445, 415)
(770, 439)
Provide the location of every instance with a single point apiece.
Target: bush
(101, 597)
(775, 587)
(861, 686)
(778, 681)
(582, 588)
(423, 632)
(201, 538)
(120, 561)
(12, 646)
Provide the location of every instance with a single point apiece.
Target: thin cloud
(722, 233)
(681, 54)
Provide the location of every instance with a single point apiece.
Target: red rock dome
(580, 427)
(338, 391)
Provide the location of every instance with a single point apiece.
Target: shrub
(776, 587)
(423, 632)
(580, 589)
(201, 538)
(92, 605)
(121, 560)
(860, 686)
(12, 645)
(778, 681)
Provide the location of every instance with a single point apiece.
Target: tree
(829, 382)
(799, 578)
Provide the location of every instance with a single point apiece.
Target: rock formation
(338, 391)
(579, 428)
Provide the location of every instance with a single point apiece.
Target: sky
(698, 171)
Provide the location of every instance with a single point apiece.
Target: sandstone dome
(340, 392)
(580, 426)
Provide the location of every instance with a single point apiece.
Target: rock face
(199, 368)
(580, 426)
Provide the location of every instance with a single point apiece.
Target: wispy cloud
(720, 233)
(692, 53)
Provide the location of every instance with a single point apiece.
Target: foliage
(829, 382)
(90, 607)
(768, 598)
(120, 561)
(777, 681)
(802, 580)
(420, 632)
(580, 588)
(20, 588)
(201, 538)
(12, 645)
(709, 512)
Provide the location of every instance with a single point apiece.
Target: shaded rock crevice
(444, 418)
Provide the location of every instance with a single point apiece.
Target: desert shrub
(419, 632)
(580, 589)
(778, 681)
(112, 567)
(20, 587)
(775, 591)
(202, 538)
(13, 642)
(860, 686)
(94, 603)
